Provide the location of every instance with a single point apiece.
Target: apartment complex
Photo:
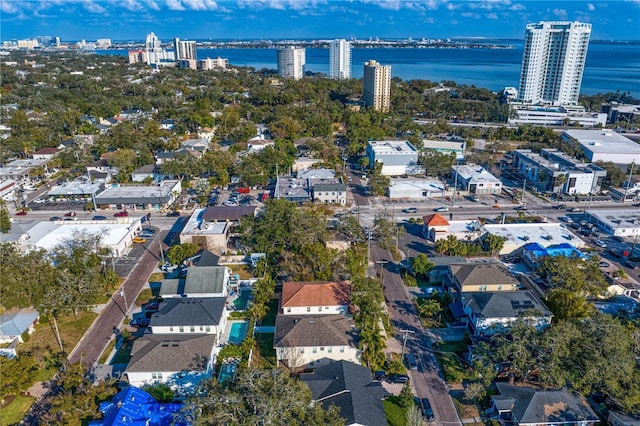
(397, 157)
(377, 86)
(553, 61)
(340, 59)
(291, 62)
(185, 49)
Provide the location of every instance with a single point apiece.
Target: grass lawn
(465, 408)
(123, 356)
(265, 356)
(43, 342)
(15, 411)
(144, 296)
(156, 277)
(241, 270)
(455, 371)
(396, 415)
(107, 351)
(270, 318)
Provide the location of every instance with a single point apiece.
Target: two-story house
(479, 277)
(312, 326)
(201, 281)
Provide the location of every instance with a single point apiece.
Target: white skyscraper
(376, 92)
(291, 62)
(185, 49)
(340, 59)
(155, 55)
(553, 61)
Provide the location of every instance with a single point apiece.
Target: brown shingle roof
(478, 274)
(327, 293)
(314, 330)
(45, 151)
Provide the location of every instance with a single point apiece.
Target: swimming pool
(240, 303)
(238, 331)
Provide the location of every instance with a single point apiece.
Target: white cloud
(151, 4)
(491, 15)
(591, 7)
(517, 7)
(470, 15)
(132, 5)
(7, 7)
(175, 5)
(560, 13)
(430, 20)
(94, 7)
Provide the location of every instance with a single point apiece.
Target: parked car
(21, 213)
(173, 214)
(70, 214)
(139, 240)
(123, 213)
(411, 210)
(244, 190)
(40, 201)
(54, 218)
(441, 209)
(629, 264)
(98, 217)
(603, 264)
(523, 207)
(566, 219)
(410, 361)
(600, 243)
(576, 210)
(562, 207)
(427, 411)
(398, 378)
(140, 322)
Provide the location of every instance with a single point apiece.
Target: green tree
(474, 391)
(429, 308)
(378, 183)
(160, 391)
(181, 252)
(5, 217)
(18, 374)
(494, 243)
(405, 399)
(268, 397)
(421, 265)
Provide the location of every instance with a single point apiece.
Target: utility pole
(124, 296)
(404, 340)
(633, 163)
(455, 184)
(380, 263)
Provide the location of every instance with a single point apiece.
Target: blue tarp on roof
(563, 249)
(133, 407)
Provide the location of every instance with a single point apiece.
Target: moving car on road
(21, 213)
(173, 214)
(123, 213)
(398, 378)
(70, 214)
(411, 210)
(441, 209)
(410, 361)
(98, 217)
(427, 411)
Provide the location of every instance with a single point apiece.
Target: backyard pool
(238, 331)
(240, 303)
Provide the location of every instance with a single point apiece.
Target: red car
(21, 213)
(122, 214)
(70, 214)
(244, 190)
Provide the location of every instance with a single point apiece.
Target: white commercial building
(548, 115)
(291, 62)
(340, 59)
(622, 223)
(377, 86)
(520, 234)
(397, 157)
(209, 235)
(451, 145)
(416, 189)
(605, 145)
(553, 61)
(476, 180)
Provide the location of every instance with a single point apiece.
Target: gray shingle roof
(503, 304)
(531, 406)
(479, 274)
(325, 187)
(16, 321)
(200, 280)
(189, 311)
(171, 352)
(314, 330)
(351, 388)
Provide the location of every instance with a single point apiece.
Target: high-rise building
(553, 62)
(291, 62)
(155, 54)
(185, 49)
(340, 59)
(377, 86)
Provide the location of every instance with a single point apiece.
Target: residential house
(492, 312)
(45, 153)
(164, 156)
(201, 281)
(188, 152)
(201, 145)
(135, 406)
(479, 277)
(351, 388)
(311, 340)
(167, 124)
(525, 406)
(178, 360)
(102, 166)
(15, 322)
(258, 143)
(190, 315)
(148, 171)
(330, 193)
(327, 298)
(209, 227)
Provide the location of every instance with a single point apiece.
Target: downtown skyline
(307, 19)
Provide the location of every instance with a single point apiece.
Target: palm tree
(559, 181)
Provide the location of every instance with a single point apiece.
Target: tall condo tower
(377, 86)
(553, 61)
(291, 62)
(340, 59)
(185, 49)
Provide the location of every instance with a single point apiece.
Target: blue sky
(278, 19)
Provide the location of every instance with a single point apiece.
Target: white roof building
(476, 180)
(211, 235)
(621, 223)
(397, 157)
(605, 145)
(416, 189)
(520, 234)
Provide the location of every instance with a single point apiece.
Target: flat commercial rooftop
(543, 233)
(197, 225)
(48, 235)
(628, 218)
(604, 141)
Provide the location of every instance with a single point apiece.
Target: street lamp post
(455, 184)
(404, 340)
(124, 296)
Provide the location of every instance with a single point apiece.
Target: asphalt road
(427, 380)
